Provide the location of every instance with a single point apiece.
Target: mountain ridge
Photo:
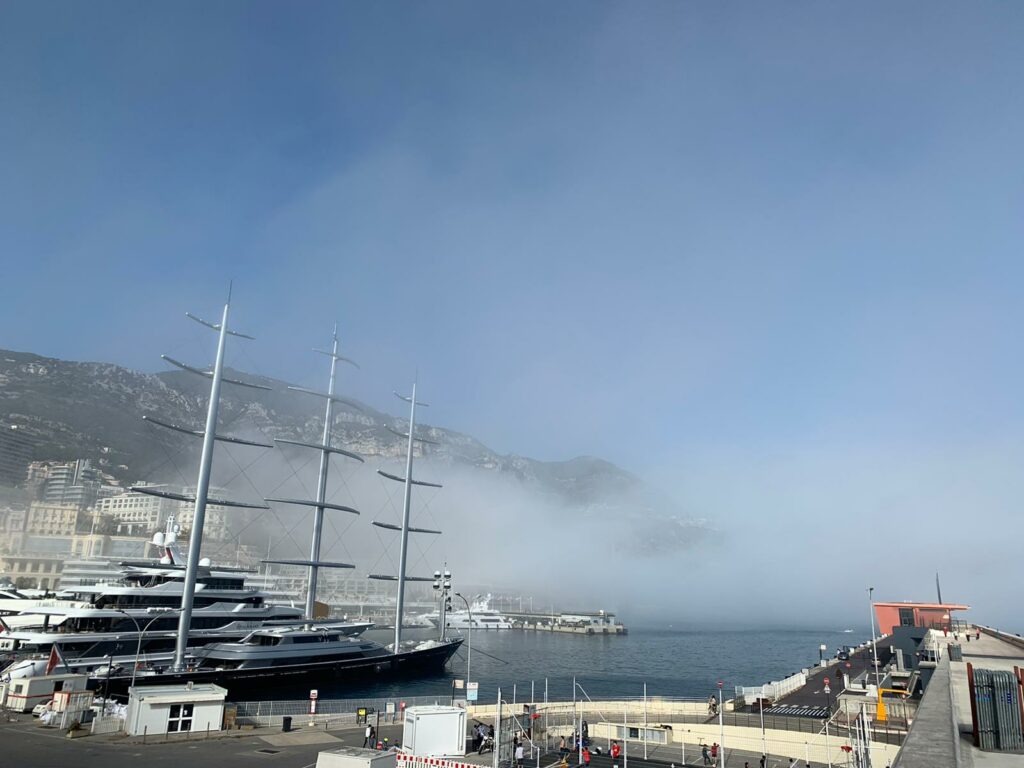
(94, 410)
(90, 409)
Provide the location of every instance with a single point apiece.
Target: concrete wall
(784, 743)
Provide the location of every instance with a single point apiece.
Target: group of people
(584, 751)
(370, 739)
(710, 756)
(483, 738)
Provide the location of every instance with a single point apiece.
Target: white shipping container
(355, 757)
(434, 731)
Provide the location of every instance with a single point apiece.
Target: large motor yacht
(480, 616)
(131, 618)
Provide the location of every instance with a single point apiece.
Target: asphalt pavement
(812, 694)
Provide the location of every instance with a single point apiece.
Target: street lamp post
(828, 716)
(138, 646)
(469, 638)
(106, 688)
(721, 728)
(874, 647)
(142, 631)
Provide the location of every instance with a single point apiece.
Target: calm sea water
(671, 662)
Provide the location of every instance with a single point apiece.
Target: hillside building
(39, 560)
(45, 519)
(72, 482)
(15, 455)
(139, 514)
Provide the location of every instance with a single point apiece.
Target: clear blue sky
(709, 241)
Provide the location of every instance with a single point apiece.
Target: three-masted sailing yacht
(314, 654)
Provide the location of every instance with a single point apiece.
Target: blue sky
(712, 242)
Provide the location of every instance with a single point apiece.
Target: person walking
(586, 757)
(704, 754)
(616, 750)
(563, 750)
(764, 761)
(714, 753)
(519, 754)
(367, 736)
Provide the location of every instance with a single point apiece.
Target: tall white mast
(195, 541)
(403, 557)
(201, 497)
(320, 504)
(405, 529)
(321, 487)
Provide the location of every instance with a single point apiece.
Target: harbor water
(672, 662)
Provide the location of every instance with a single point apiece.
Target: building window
(180, 719)
(907, 617)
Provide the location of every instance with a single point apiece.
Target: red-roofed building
(907, 614)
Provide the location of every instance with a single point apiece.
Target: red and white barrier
(418, 761)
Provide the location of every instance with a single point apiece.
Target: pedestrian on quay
(563, 750)
(764, 761)
(616, 750)
(586, 757)
(519, 754)
(746, 764)
(367, 735)
(792, 762)
(704, 754)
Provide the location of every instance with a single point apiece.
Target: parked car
(39, 709)
(843, 654)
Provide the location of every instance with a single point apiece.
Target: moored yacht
(130, 617)
(480, 616)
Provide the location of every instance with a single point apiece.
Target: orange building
(907, 614)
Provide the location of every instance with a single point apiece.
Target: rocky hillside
(95, 410)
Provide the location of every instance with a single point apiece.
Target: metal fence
(678, 734)
(330, 712)
(107, 724)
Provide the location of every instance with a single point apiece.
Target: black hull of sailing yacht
(242, 683)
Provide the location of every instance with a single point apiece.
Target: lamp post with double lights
(443, 587)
